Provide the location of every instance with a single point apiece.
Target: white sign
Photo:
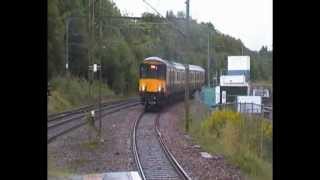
(224, 97)
(95, 68)
(238, 63)
(217, 94)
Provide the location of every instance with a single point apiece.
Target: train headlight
(143, 87)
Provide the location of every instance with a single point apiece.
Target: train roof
(157, 59)
(175, 64)
(178, 66)
(196, 68)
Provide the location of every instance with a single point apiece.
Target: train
(161, 81)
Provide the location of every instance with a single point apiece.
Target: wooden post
(261, 140)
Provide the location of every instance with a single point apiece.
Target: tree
(123, 44)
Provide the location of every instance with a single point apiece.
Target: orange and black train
(161, 80)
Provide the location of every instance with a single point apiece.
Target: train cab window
(156, 71)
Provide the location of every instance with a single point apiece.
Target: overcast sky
(248, 20)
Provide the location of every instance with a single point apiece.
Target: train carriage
(162, 80)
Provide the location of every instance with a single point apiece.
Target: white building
(236, 82)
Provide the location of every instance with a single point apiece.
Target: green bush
(246, 141)
(67, 93)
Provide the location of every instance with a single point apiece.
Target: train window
(152, 71)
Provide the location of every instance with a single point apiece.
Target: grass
(90, 145)
(72, 92)
(238, 138)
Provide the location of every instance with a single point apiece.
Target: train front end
(152, 83)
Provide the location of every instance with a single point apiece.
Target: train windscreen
(156, 71)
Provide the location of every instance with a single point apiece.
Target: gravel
(153, 160)
(79, 153)
(187, 152)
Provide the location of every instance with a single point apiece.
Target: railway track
(58, 116)
(68, 122)
(152, 157)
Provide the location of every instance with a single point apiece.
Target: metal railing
(247, 108)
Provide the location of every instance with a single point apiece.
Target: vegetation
(245, 141)
(67, 93)
(90, 145)
(55, 172)
(122, 44)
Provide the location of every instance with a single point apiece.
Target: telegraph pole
(100, 75)
(188, 6)
(186, 97)
(208, 69)
(89, 47)
(67, 46)
(242, 50)
(91, 41)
